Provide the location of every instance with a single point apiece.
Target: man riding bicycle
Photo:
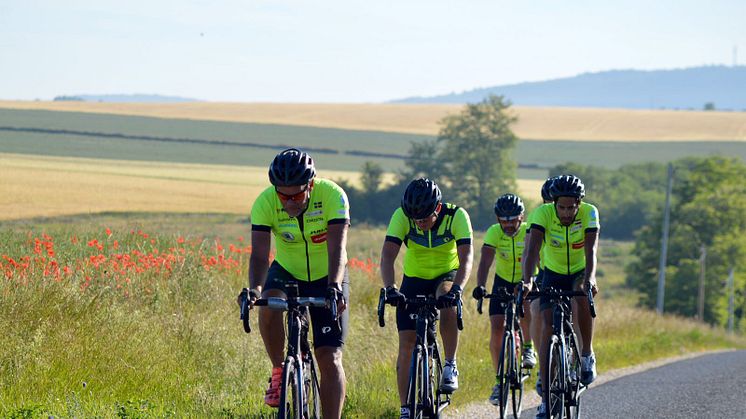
(569, 228)
(506, 241)
(438, 261)
(309, 218)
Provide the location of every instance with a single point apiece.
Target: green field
(159, 335)
(225, 143)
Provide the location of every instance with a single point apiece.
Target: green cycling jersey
(508, 251)
(564, 246)
(431, 253)
(301, 241)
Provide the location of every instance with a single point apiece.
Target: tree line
(471, 159)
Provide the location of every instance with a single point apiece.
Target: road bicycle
(510, 371)
(424, 398)
(299, 393)
(562, 394)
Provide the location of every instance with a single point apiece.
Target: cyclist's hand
(334, 291)
(593, 286)
(251, 294)
(479, 292)
(451, 298)
(394, 296)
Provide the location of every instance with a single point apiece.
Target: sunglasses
(422, 220)
(506, 219)
(296, 197)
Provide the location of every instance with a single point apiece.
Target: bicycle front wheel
(554, 390)
(290, 392)
(572, 404)
(414, 400)
(505, 361)
(516, 379)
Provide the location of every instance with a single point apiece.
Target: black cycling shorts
(498, 307)
(539, 279)
(324, 334)
(411, 286)
(561, 282)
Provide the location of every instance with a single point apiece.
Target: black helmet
(567, 185)
(291, 167)
(421, 198)
(545, 195)
(509, 205)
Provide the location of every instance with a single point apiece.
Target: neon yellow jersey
(529, 221)
(431, 253)
(508, 251)
(301, 241)
(564, 248)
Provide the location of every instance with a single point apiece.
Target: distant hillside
(120, 98)
(689, 88)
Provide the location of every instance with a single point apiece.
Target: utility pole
(664, 243)
(731, 305)
(701, 297)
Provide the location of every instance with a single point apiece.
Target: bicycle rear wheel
(554, 389)
(312, 409)
(507, 353)
(290, 403)
(414, 399)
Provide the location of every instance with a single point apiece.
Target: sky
(346, 50)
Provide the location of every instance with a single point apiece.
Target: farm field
(43, 186)
(187, 141)
(535, 123)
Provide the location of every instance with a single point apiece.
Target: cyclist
(309, 218)
(570, 229)
(506, 241)
(438, 261)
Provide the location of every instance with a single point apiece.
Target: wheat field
(534, 123)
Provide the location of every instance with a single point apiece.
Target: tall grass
(160, 336)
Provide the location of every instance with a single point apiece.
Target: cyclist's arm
(591, 258)
(259, 261)
(388, 255)
(336, 243)
(465, 259)
(485, 261)
(531, 253)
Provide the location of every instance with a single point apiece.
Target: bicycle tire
(290, 404)
(312, 408)
(415, 386)
(572, 406)
(554, 389)
(516, 386)
(507, 352)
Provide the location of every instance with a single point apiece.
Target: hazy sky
(346, 50)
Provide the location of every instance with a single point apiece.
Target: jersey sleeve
(262, 214)
(592, 222)
(398, 227)
(541, 217)
(492, 235)
(336, 205)
(461, 227)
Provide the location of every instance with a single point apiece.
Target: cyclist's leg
(328, 342)
(271, 322)
(448, 325)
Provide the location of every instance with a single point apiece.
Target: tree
(475, 151)
(371, 176)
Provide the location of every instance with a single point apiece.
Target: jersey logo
(578, 245)
(326, 329)
(314, 213)
(288, 236)
(319, 238)
(555, 243)
(317, 205)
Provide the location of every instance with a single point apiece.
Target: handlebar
(283, 304)
(417, 302)
(504, 296)
(555, 293)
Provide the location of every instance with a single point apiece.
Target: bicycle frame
(563, 395)
(424, 398)
(512, 379)
(300, 375)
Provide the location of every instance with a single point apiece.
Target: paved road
(709, 386)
